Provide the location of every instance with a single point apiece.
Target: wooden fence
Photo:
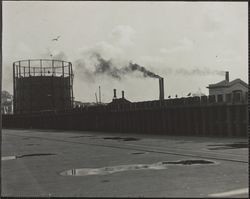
(184, 116)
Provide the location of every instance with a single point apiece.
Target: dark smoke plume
(132, 67)
(107, 67)
(103, 66)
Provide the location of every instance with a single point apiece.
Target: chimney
(161, 87)
(122, 94)
(100, 95)
(114, 93)
(227, 76)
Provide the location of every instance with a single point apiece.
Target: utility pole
(96, 98)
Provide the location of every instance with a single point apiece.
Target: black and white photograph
(126, 99)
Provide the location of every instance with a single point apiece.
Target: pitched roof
(120, 101)
(225, 83)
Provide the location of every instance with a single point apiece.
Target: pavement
(97, 164)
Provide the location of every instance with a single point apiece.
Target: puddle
(121, 138)
(35, 154)
(27, 138)
(138, 153)
(132, 167)
(26, 155)
(237, 145)
(105, 181)
(109, 170)
(32, 144)
(190, 162)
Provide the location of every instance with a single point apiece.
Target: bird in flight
(56, 39)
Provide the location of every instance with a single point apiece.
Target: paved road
(121, 165)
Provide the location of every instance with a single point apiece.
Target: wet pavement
(121, 138)
(96, 164)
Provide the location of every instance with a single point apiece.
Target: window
(220, 98)
(228, 97)
(237, 96)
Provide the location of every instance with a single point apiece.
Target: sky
(189, 44)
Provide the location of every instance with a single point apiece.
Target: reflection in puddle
(236, 145)
(8, 158)
(120, 168)
(26, 155)
(110, 170)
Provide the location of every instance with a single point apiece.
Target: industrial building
(225, 89)
(43, 98)
(41, 85)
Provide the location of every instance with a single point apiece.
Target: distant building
(7, 103)
(117, 102)
(226, 90)
(198, 93)
(83, 104)
(79, 104)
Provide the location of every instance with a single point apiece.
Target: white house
(226, 90)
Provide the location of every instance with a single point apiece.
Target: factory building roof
(226, 83)
(120, 101)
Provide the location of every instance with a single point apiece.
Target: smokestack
(100, 95)
(114, 93)
(161, 88)
(122, 94)
(227, 76)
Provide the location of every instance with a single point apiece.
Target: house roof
(225, 83)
